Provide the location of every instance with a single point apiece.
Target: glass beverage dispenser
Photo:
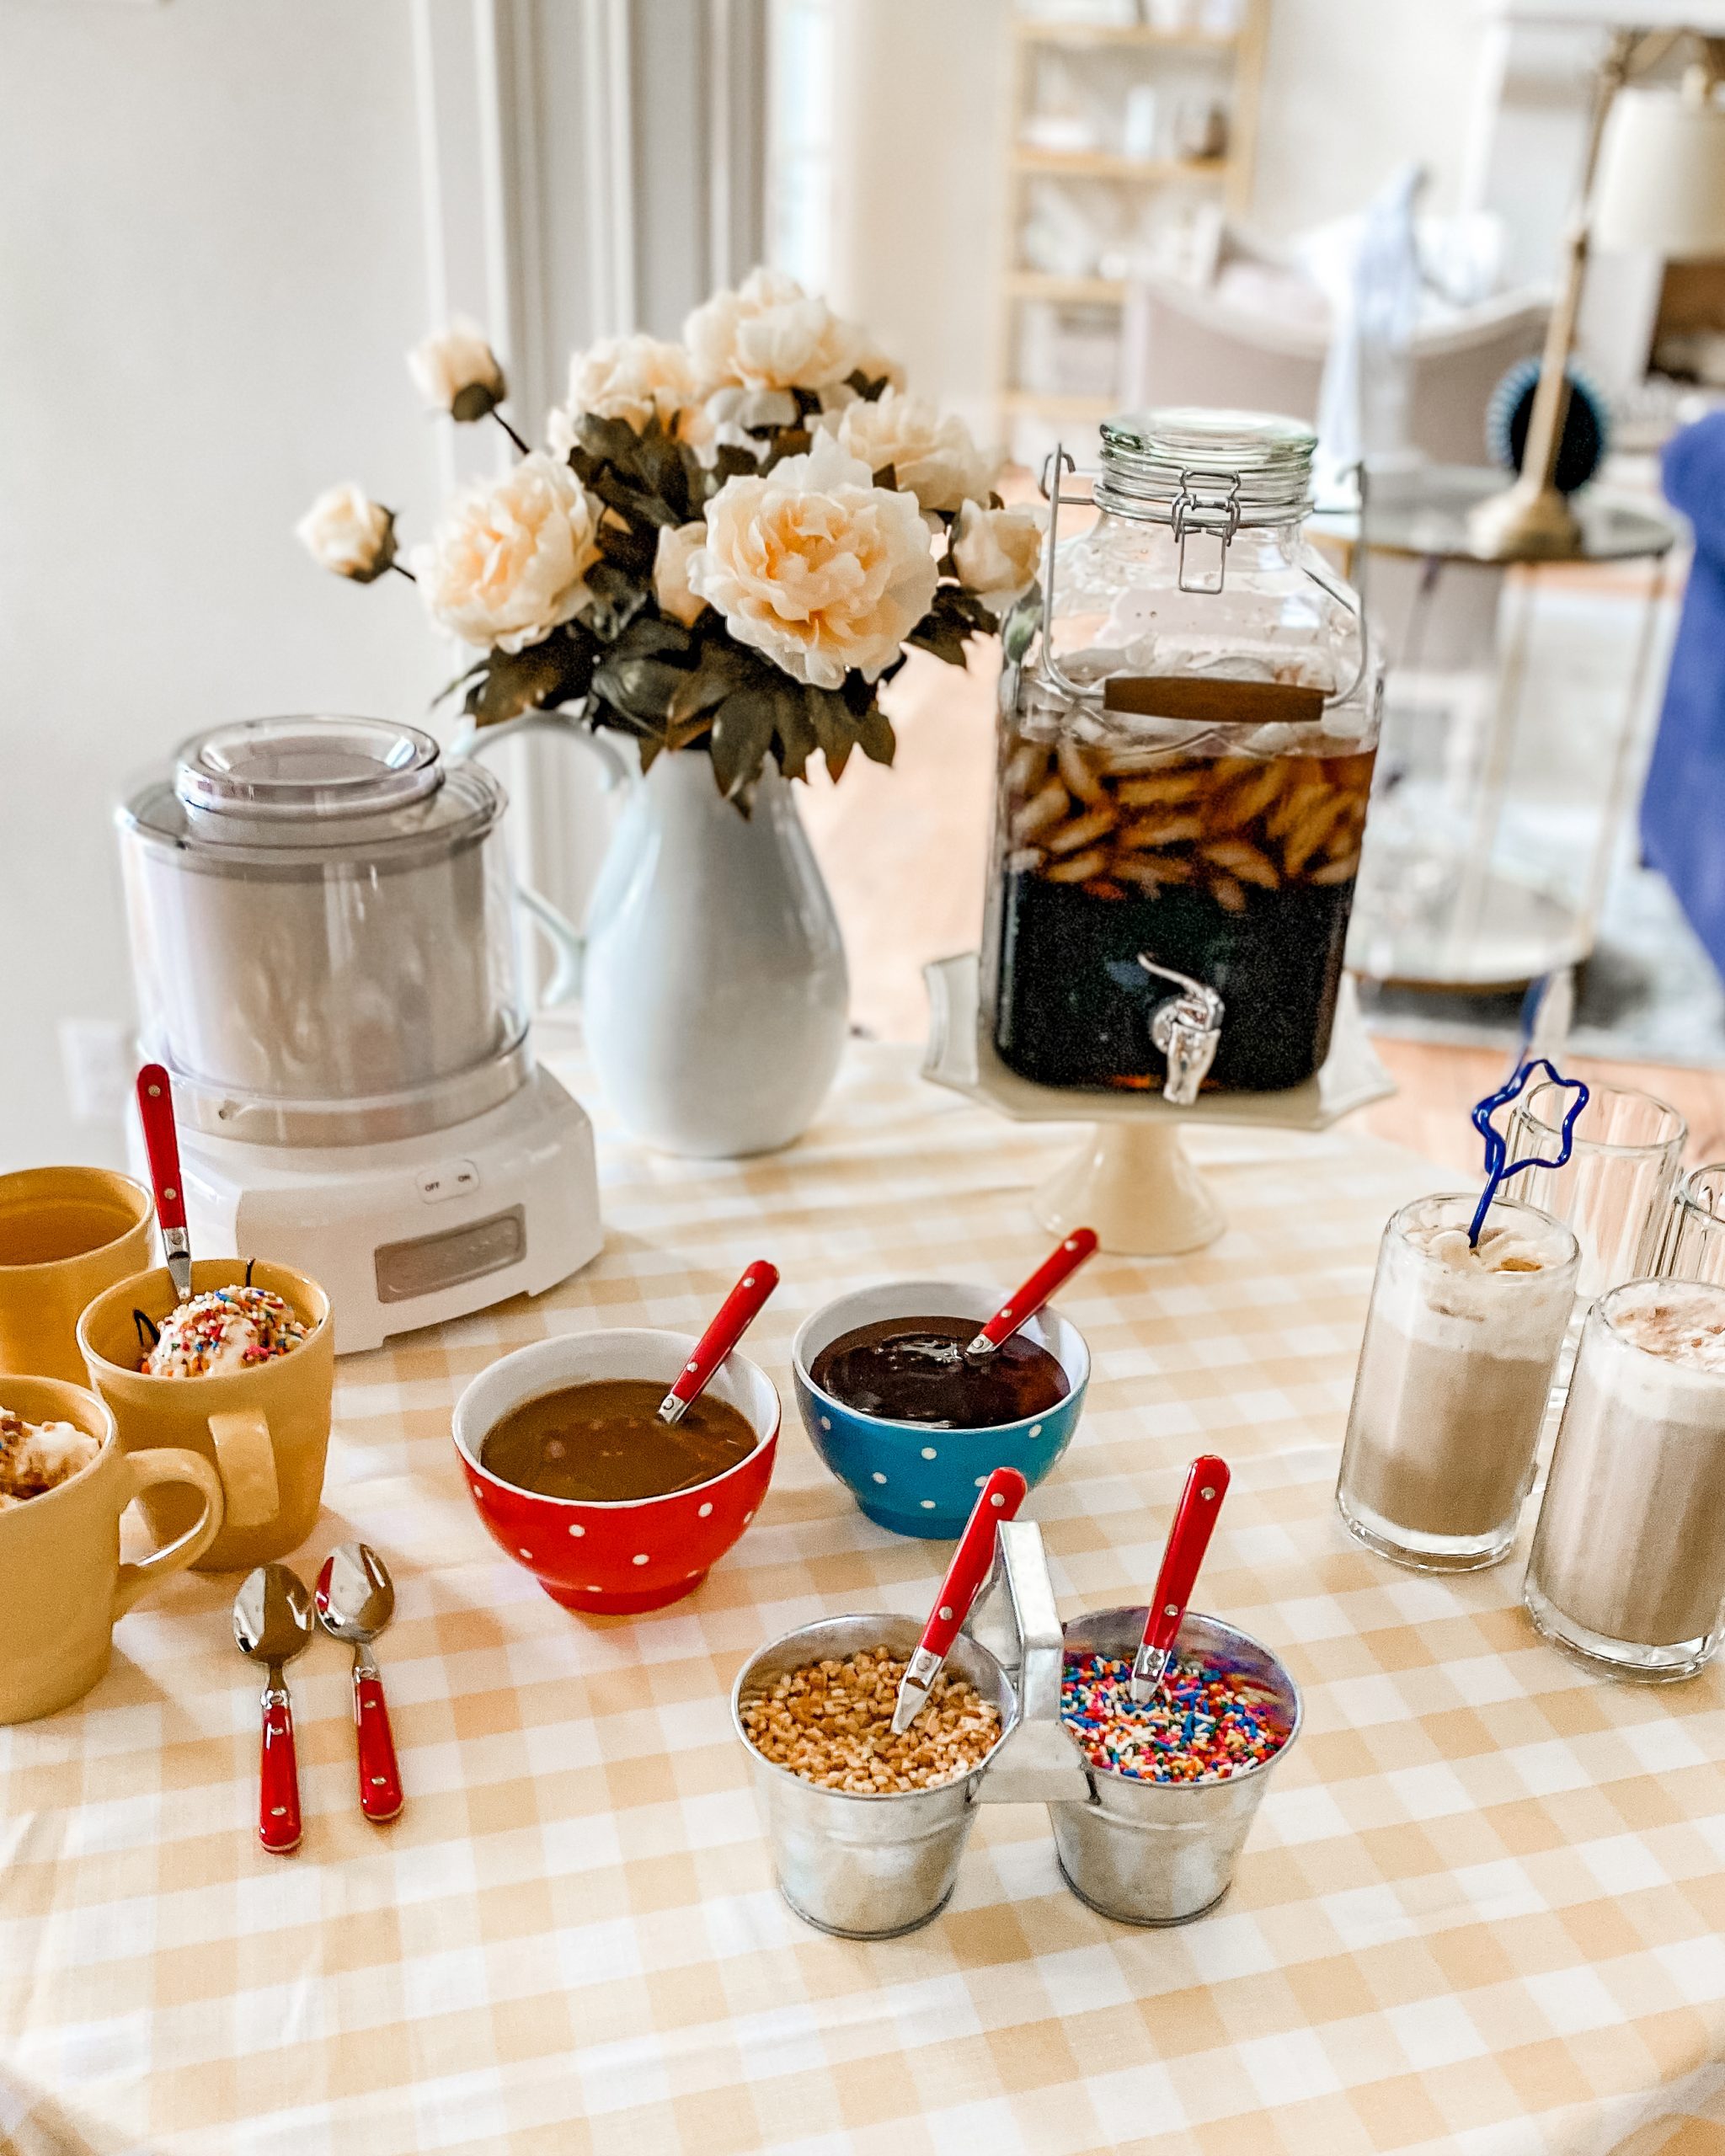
(1185, 756)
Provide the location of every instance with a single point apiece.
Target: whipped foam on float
(1677, 1327)
(225, 1330)
(1502, 1249)
(37, 1457)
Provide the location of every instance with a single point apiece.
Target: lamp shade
(1661, 182)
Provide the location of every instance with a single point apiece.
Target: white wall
(918, 207)
(212, 261)
(1353, 89)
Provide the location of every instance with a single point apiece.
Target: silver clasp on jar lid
(1208, 506)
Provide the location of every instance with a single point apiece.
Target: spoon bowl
(356, 1596)
(272, 1615)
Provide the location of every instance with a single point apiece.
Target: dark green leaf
(874, 736)
(834, 728)
(644, 688)
(795, 729)
(742, 733)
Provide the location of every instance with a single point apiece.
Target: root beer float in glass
(1187, 731)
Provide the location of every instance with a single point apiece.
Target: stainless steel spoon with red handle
(1189, 1538)
(1026, 1301)
(736, 1313)
(998, 1499)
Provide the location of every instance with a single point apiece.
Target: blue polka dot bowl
(906, 1476)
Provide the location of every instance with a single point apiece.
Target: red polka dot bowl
(611, 1558)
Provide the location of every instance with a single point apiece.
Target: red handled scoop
(1189, 1538)
(162, 1144)
(998, 1499)
(736, 1313)
(1030, 1297)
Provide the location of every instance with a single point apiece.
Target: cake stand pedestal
(1131, 1179)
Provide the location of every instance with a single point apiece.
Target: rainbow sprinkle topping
(1206, 1723)
(226, 1329)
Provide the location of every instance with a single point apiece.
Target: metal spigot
(1185, 1029)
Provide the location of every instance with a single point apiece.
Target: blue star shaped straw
(1498, 1147)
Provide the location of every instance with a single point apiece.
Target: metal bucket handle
(1016, 1619)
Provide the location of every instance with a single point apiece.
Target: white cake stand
(1131, 1180)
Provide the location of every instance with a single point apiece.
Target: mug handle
(247, 1460)
(142, 1472)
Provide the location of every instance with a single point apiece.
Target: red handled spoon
(162, 1144)
(1029, 1299)
(1189, 1538)
(998, 1499)
(736, 1313)
(272, 1623)
(355, 1599)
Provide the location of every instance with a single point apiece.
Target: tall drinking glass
(1628, 1563)
(1455, 1374)
(1615, 1190)
(1694, 1248)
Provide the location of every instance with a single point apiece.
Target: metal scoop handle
(162, 1144)
(998, 1499)
(736, 1313)
(1189, 1538)
(1026, 1301)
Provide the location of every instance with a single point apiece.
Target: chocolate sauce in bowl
(603, 1440)
(914, 1370)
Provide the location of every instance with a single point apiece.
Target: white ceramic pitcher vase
(711, 971)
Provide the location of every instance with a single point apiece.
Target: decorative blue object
(1587, 429)
(1497, 1146)
(909, 1477)
(1682, 806)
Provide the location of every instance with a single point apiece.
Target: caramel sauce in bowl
(609, 1555)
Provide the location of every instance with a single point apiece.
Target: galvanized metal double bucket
(1147, 1853)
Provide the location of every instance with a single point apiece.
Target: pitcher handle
(1036, 1762)
(568, 943)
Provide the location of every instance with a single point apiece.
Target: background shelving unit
(1175, 63)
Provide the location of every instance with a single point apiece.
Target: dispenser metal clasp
(1208, 506)
(1185, 1029)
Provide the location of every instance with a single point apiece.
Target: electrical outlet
(99, 1057)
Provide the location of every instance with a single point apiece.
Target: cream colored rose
(677, 545)
(816, 567)
(509, 557)
(456, 371)
(631, 378)
(997, 553)
(345, 530)
(771, 334)
(935, 458)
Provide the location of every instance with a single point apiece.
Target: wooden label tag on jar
(1212, 703)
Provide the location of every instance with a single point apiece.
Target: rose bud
(346, 531)
(456, 371)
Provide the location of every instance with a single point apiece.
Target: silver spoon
(355, 1600)
(272, 1623)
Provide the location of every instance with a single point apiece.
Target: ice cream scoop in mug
(62, 1583)
(264, 1425)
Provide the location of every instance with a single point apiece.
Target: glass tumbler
(1454, 1378)
(1628, 1562)
(1694, 1247)
(1615, 1189)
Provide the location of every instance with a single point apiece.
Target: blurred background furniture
(1130, 133)
(1496, 816)
(1189, 344)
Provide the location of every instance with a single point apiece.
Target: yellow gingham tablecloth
(1479, 1910)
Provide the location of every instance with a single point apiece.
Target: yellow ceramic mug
(264, 1429)
(62, 1583)
(65, 1234)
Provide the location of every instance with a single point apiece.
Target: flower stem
(400, 571)
(510, 432)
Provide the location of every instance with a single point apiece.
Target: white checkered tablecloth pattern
(1481, 1910)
